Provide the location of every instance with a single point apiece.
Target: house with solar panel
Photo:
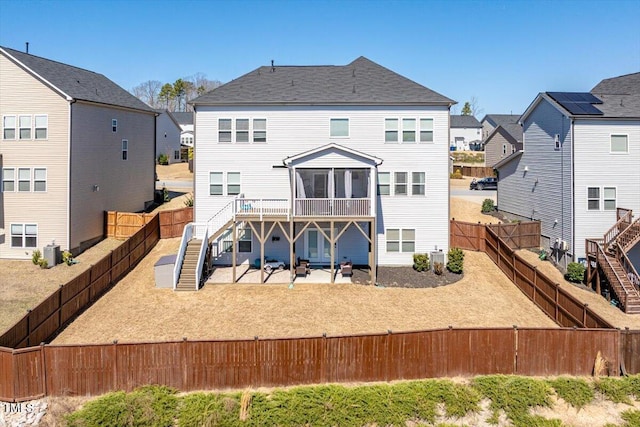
(330, 165)
(579, 164)
(74, 144)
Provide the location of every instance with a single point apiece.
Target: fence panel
(282, 362)
(122, 225)
(480, 352)
(630, 346)
(44, 310)
(566, 351)
(413, 355)
(220, 364)
(80, 370)
(16, 334)
(475, 171)
(356, 358)
(29, 374)
(465, 235)
(172, 222)
(7, 377)
(76, 285)
(154, 363)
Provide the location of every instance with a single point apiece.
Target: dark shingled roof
(501, 119)
(513, 129)
(361, 82)
(460, 121)
(78, 83)
(184, 118)
(628, 84)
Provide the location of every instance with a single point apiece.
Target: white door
(317, 247)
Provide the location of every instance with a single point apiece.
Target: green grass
(336, 405)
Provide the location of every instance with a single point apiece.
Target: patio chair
(303, 268)
(346, 268)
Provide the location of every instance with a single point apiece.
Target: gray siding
(96, 160)
(493, 149)
(543, 192)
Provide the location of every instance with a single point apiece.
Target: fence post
(478, 237)
(556, 300)
(535, 282)
(515, 352)
(116, 386)
(43, 369)
(28, 327)
(183, 356)
(513, 264)
(584, 315)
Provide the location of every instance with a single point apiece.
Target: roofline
(47, 82)
(508, 159)
(173, 119)
(120, 107)
(287, 160)
(366, 103)
(506, 135)
(562, 110)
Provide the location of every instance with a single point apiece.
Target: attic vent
(354, 88)
(273, 68)
(354, 72)
(292, 82)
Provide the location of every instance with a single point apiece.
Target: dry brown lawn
(596, 302)
(134, 310)
(174, 171)
(24, 285)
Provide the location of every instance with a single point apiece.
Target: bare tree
(476, 111)
(148, 92)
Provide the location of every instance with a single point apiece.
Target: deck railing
(625, 218)
(261, 207)
(333, 207)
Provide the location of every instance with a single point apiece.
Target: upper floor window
(42, 126)
(619, 144)
(242, 130)
(39, 179)
(125, 149)
(24, 179)
(408, 130)
(114, 125)
(418, 183)
(390, 130)
(384, 183)
(215, 183)
(9, 127)
(24, 235)
(426, 130)
(593, 198)
(233, 183)
(259, 130)
(25, 127)
(400, 188)
(8, 179)
(609, 196)
(224, 130)
(504, 148)
(339, 128)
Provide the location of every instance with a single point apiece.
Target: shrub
(35, 257)
(165, 195)
(43, 263)
(189, 201)
(575, 272)
(67, 258)
(163, 159)
(488, 206)
(455, 260)
(574, 391)
(457, 174)
(615, 390)
(421, 262)
(438, 268)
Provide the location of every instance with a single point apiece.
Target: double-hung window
(619, 144)
(42, 126)
(339, 128)
(24, 235)
(114, 125)
(9, 127)
(601, 198)
(25, 127)
(401, 240)
(242, 130)
(408, 130)
(8, 179)
(224, 130)
(244, 240)
(216, 186)
(39, 179)
(593, 198)
(609, 196)
(233, 183)
(259, 130)
(384, 183)
(418, 183)
(125, 149)
(390, 130)
(24, 179)
(400, 181)
(426, 130)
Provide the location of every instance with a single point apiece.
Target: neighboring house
(465, 131)
(503, 141)
(168, 132)
(491, 121)
(353, 154)
(580, 161)
(185, 119)
(74, 145)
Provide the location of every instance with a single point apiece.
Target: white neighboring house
(185, 119)
(168, 132)
(580, 161)
(465, 130)
(353, 154)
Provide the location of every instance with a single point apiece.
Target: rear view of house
(74, 144)
(324, 163)
(465, 133)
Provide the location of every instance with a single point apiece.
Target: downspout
(573, 189)
(69, 160)
(155, 156)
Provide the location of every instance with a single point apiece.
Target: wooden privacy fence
(475, 171)
(44, 321)
(121, 225)
(557, 303)
(196, 365)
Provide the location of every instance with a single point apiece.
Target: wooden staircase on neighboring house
(187, 281)
(610, 254)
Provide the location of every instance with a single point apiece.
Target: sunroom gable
(332, 156)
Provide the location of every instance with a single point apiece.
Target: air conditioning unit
(564, 245)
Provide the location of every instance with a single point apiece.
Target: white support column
(373, 191)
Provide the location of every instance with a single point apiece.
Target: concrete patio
(251, 275)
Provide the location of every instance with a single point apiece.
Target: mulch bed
(405, 277)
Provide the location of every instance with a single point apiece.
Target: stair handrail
(603, 255)
(627, 245)
(187, 234)
(201, 256)
(614, 231)
(221, 217)
(628, 267)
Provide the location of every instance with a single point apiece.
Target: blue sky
(501, 52)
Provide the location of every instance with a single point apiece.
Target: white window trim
(397, 130)
(423, 184)
(390, 184)
(124, 150)
(250, 240)
(18, 180)
(604, 198)
(46, 179)
(415, 130)
(226, 183)
(231, 130)
(400, 240)
(24, 236)
(15, 127)
(610, 144)
(234, 131)
(15, 188)
(590, 198)
(253, 130)
(31, 125)
(35, 127)
(114, 125)
(407, 183)
(432, 130)
(234, 137)
(222, 184)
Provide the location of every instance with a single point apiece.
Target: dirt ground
(137, 311)
(24, 285)
(174, 171)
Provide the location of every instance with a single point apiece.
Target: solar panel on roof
(580, 108)
(578, 103)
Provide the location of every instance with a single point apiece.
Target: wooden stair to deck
(612, 272)
(630, 236)
(188, 280)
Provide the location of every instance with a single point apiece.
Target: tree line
(174, 96)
